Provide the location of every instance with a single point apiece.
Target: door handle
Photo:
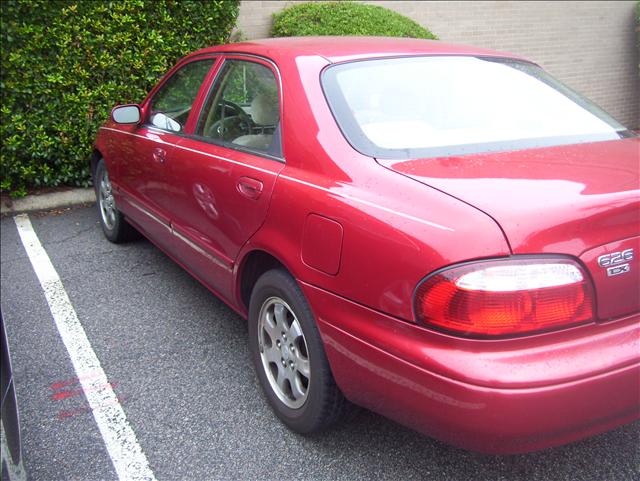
(249, 187)
(159, 155)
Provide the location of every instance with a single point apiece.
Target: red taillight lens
(506, 297)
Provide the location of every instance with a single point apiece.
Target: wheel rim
(107, 203)
(284, 353)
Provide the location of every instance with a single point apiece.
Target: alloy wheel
(106, 201)
(284, 353)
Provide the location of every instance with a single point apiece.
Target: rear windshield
(414, 107)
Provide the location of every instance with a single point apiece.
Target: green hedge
(638, 21)
(65, 64)
(344, 18)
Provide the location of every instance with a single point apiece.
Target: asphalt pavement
(177, 359)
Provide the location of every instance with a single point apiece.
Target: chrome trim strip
(201, 251)
(292, 179)
(152, 216)
(265, 171)
(370, 204)
(228, 266)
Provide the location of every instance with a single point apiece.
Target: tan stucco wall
(589, 45)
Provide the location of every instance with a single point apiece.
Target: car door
(221, 177)
(143, 171)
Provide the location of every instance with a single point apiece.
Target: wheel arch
(254, 263)
(96, 155)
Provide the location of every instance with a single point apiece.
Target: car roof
(338, 49)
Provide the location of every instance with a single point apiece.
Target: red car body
(360, 234)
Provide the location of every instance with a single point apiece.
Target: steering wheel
(234, 123)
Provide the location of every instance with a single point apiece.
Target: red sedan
(445, 235)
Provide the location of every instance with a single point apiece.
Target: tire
(115, 227)
(289, 357)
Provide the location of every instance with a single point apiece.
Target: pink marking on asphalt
(70, 382)
(58, 396)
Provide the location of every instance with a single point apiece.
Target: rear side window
(434, 106)
(243, 109)
(171, 105)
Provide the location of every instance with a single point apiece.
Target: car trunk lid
(581, 200)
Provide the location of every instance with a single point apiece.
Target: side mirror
(126, 114)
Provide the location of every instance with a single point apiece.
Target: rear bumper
(502, 397)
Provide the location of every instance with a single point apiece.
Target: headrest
(264, 109)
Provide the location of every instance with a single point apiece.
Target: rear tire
(289, 358)
(116, 229)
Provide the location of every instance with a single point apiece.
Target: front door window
(171, 105)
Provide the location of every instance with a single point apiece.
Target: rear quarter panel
(395, 230)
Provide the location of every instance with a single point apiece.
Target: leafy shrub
(344, 18)
(66, 63)
(638, 21)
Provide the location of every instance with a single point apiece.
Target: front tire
(115, 227)
(289, 357)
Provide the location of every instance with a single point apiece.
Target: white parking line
(126, 454)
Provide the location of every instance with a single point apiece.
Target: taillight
(506, 297)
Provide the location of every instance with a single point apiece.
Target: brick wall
(589, 45)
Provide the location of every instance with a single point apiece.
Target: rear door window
(243, 109)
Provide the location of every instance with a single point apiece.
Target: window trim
(195, 106)
(212, 83)
(358, 140)
(203, 95)
(236, 147)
